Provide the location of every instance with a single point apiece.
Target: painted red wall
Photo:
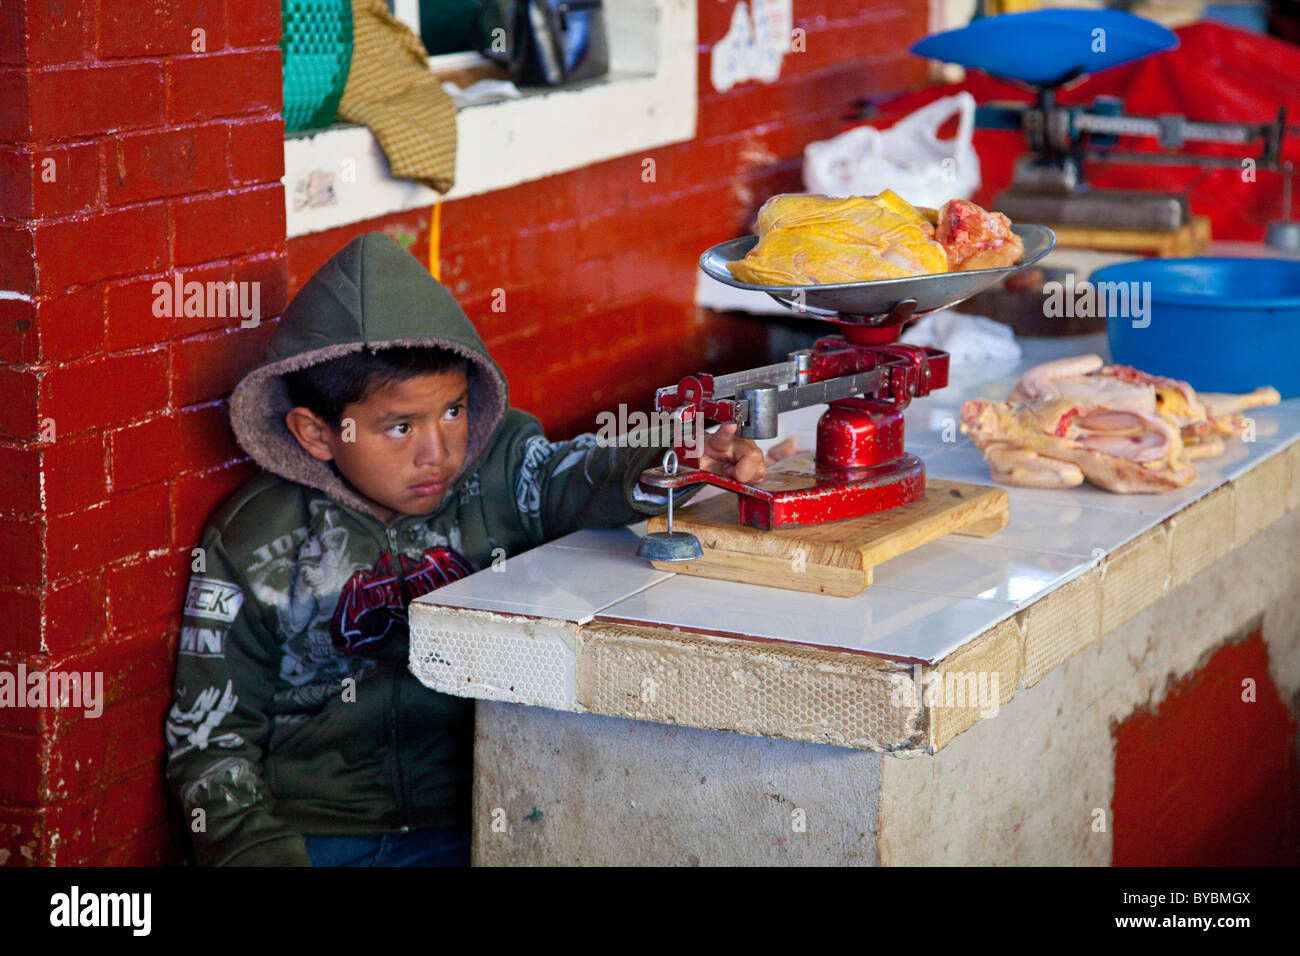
(169, 159)
(1210, 777)
(114, 444)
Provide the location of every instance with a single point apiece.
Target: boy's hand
(739, 458)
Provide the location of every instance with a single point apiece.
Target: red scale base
(859, 467)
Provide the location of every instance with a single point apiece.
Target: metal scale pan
(876, 303)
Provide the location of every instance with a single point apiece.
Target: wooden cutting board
(835, 558)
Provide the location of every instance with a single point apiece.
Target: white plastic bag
(968, 339)
(484, 91)
(907, 158)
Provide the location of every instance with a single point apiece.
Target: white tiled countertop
(583, 624)
(923, 605)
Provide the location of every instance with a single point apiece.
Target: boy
(393, 464)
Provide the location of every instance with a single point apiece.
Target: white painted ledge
(648, 100)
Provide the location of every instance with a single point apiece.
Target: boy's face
(408, 443)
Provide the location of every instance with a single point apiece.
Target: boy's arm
(218, 728)
(559, 487)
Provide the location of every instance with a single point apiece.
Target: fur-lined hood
(370, 294)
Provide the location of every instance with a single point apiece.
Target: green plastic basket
(317, 48)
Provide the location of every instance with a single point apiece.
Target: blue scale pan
(1048, 47)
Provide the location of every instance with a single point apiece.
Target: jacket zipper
(403, 810)
(389, 540)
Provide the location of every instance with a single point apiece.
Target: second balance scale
(820, 520)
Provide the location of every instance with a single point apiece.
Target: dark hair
(331, 386)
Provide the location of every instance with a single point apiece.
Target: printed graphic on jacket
(537, 451)
(232, 779)
(211, 606)
(372, 602)
(192, 729)
(301, 577)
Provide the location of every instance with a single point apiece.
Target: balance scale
(1045, 50)
(820, 521)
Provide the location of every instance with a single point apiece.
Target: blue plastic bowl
(1223, 325)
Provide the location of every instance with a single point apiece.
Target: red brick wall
(169, 161)
(167, 156)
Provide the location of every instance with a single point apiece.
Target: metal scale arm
(1054, 130)
(875, 378)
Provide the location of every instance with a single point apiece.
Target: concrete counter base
(1032, 782)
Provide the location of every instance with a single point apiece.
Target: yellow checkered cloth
(391, 90)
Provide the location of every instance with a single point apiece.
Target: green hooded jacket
(294, 711)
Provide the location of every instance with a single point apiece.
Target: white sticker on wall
(754, 46)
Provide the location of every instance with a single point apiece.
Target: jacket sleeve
(218, 726)
(559, 487)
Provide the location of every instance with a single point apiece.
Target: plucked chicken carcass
(816, 240)
(1204, 419)
(819, 240)
(1119, 428)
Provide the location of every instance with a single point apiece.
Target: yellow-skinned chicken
(818, 240)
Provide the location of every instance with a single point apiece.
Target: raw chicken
(1203, 423)
(975, 238)
(790, 257)
(1118, 427)
(1076, 377)
(1033, 444)
(817, 240)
